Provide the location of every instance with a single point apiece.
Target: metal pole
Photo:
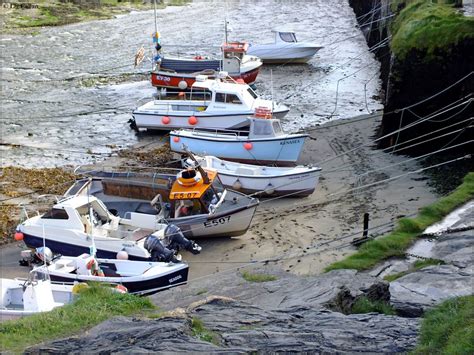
(366, 225)
(154, 11)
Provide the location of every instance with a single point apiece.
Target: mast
(154, 12)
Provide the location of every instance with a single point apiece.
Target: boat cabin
(195, 192)
(233, 55)
(228, 95)
(265, 128)
(285, 36)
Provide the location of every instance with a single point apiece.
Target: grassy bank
(405, 234)
(93, 305)
(448, 328)
(428, 26)
(58, 13)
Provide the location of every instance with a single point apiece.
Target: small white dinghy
(20, 298)
(139, 277)
(298, 181)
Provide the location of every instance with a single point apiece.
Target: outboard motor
(175, 240)
(158, 251)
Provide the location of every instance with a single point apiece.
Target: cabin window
(56, 213)
(251, 92)
(287, 37)
(228, 98)
(276, 127)
(187, 208)
(262, 128)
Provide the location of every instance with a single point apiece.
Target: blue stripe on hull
(71, 249)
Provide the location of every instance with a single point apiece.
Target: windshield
(287, 37)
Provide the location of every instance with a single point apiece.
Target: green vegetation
(429, 26)
(364, 305)
(201, 292)
(395, 244)
(419, 264)
(201, 332)
(257, 277)
(93, 305)
(448, 328)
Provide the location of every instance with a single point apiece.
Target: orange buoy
(165, 120)
(192, 120)
(18, 236)
(248, 146)
(176, 139)
(240, 81)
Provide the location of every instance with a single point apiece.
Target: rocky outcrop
(289, 314)
(238, 327)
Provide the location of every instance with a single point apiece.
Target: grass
(419, 264)
(364, 305)
(250, 277)
(201, 332)
(429, 26)
(93, 305)
(448, 328)
(405, 234)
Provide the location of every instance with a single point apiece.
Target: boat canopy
(190, 185)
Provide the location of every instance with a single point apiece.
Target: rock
(412, 294)
(240, 327)
(456, 248)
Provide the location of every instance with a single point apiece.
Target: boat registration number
(217, 221)
(163, 78)
(184, 195)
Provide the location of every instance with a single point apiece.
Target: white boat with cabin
(212, 104)
(285, 49)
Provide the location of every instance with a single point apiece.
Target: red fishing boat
(180, 73)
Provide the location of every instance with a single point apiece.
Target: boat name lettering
(163, 78)
(176, 278)
(298, 177)
(184, 195)
(127, 245)
(217, 221)
(293, 141)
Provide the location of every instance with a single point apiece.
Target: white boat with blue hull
(139, 277)
(264, 143)
(77, 223)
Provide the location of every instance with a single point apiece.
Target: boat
(21, 298)
(139, 277)
(299, 181)
(180, 73)
(226, 104)
(194, 200)
(265, 143)
(78, 223)
(285, 49)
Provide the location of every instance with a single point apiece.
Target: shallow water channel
(55, 112)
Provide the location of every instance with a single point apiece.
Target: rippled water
(46, 107)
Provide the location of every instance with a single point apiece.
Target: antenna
(154, 12)
(271, 83)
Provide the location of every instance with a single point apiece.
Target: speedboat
(265, 143)
(80, 223)
(139, 277)
(21, 298)
(298, 181)
(194, 200)
(285, 49)
(211, 104)
(180, 73)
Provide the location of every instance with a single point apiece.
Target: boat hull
(172, 80)
(105, 250)
(297, 185)
(281, 151)
(218, 121)
(135, 285)
(278, 54)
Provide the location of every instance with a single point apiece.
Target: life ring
(188, 177)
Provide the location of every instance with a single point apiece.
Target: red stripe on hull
(168, 80)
